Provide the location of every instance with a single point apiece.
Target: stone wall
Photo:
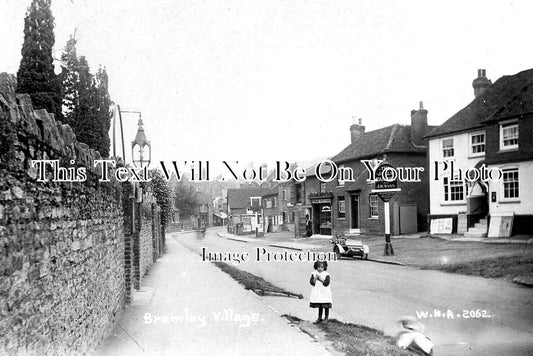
(146, 238)
(62, 246)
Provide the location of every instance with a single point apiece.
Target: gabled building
(491, 134)
(351, 207)
(245, 209)
(243, 200)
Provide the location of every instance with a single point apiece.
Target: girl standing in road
(321, 291)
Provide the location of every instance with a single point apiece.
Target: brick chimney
(356, 130)
(481, 83)
(419, 125)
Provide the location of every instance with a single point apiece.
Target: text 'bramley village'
(190, 179)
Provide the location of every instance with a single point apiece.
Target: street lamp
(138, 146)
(138, 156)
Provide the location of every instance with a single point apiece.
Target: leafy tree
(186, 199)
(36, 75)
(163, 196)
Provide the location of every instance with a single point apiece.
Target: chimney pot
(481, 83)
(419, 125)
(356, 130)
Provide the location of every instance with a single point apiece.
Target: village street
(377, 295)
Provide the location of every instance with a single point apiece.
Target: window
(342, 208)
(340, 180)
(300, 193)
(477, 143)
(447, 147)
(509, 136)
(454, 190)
(269, 204)
(510, 184)
(274, 202)
(373, 203)
(284, 195)
(322, 187)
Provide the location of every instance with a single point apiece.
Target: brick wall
(63, 251)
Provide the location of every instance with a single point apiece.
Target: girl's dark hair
(323, 263)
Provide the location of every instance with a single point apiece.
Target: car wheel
(365, 256)
(337, 253)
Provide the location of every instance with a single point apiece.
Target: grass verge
(506, 267)
(350, 339)
(256, 284)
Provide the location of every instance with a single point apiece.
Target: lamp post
(139, 157)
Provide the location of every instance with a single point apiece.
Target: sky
(281, 80)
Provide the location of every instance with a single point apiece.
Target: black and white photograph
(245, 177)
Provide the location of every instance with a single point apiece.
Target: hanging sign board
(385, 188)
(381, 183)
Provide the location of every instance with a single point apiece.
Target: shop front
(322, 222)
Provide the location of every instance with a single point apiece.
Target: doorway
(354, 205)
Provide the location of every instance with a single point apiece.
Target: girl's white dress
(320, 294)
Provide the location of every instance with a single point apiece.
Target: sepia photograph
(245, 177)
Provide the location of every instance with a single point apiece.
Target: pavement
(187, 306)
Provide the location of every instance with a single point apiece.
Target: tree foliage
(70, 79)
(186, 199)
(163, 195)
(36, 75)
(86, 101)
(103, 101)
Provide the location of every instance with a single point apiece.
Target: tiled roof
(511, 95)
(271, 192)
(395, 138)
(240, 198)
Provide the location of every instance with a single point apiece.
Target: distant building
(273, 222)
(245, 209)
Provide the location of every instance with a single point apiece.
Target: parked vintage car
(346, 247)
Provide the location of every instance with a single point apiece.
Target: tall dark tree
(85, 114)
(104, 117)
(70, 79)
(86, 100)
(36, 75)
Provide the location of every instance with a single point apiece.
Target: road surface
(478, 316)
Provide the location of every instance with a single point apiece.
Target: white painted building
(493, 134)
